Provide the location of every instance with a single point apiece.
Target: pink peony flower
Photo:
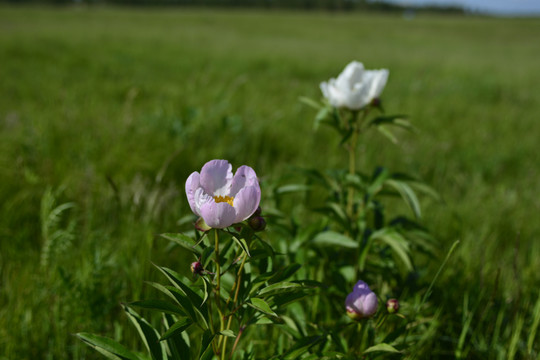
(362, 302)
(220, 198)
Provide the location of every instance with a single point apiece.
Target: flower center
(228, 199)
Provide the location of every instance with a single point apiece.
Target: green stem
(236, 288)
(218, 289)
(352, 161)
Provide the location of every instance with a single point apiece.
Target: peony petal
(244, 176)
(192, 183)
(216, 177)
(246, 202)
(352, 74)
(358, 98)
(200, 198)
(377, 82)
(336, 96)
(370, 304)
(218, 215)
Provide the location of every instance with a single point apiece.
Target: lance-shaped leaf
(191, 311)
(179, 342)
(177, 328)
(206, 352)
(184, 241)
(383, 347)
(302, 346)
(148, 334)
(108, 347)
(262, 306)
(178, 281)
(397, 242)
(408, 194)
(280, 288)
(159, 305)
(332, 238)
(243, 244)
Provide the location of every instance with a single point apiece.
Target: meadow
(104, 112)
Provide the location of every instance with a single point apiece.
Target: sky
(501, 7)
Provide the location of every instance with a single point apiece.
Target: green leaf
(262, 306)
(292, 188)
(380, 175)
(228, 333)
(387, 134)
(206, 351)
(182, 300)
(206, 256)
(382, 347)
(280, 288)
(178, 343)
(158, 305)
(184, 241)
(396, 120)
(108, 347)
(332, 238)
(310, 102)
(177, 328)
(322, 117)
(282, 274)
(148, 334)
(302, 346)
(178, 281)
(398, 244)
(206, 289)
(408, 194)
(242, 243)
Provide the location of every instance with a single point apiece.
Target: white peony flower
(355, 87)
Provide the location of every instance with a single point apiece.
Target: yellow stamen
(228, 199)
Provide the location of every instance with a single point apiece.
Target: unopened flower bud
(257, 223)
(197, 268)
(362, 302)
(257, 212)
(376, 102)
(392, 306)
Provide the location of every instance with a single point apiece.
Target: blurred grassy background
(107, 111)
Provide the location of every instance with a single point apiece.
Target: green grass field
(107, 111)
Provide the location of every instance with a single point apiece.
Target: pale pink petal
(218, 215)
(192, 183)
(200, 198)
(246, 202)
(244, 176)
(216, 177)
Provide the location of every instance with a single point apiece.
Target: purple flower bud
(197, 268)
(362, 302)
(392, 306)
(257, 212)
(257, 223)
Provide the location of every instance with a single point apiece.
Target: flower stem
(236, 287)
(352, 160)
(217, 289)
